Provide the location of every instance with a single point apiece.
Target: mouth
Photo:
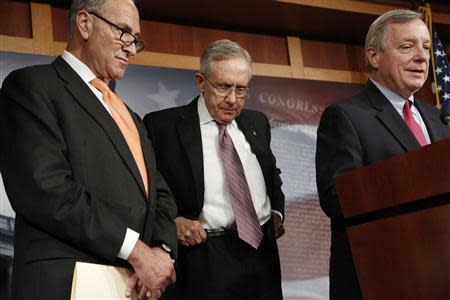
(417, 71)
(228, 110)
(123, 61)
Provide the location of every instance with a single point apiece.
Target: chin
(226, 119)
(117, 76)
(417, 86)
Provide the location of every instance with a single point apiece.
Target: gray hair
(376, 36)
(221, 50)
(87, 5)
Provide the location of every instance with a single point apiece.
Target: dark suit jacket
(354, 133)
(176, 138)
(71, 180)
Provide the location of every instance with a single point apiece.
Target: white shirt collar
(393, 97)
(204, 115)
(79, 67)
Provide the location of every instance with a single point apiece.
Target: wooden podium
(398, 211)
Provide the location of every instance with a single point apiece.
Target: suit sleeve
(338, 150)
(274, 187)
(38, 175)
(165, 230)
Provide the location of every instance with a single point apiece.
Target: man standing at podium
(383, 120)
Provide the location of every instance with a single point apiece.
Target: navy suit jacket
(72, 180)
(354, 133)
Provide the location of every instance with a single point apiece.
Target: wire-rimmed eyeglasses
(224, 90)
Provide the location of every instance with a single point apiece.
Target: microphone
(445, 112)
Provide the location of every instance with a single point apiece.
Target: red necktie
(125, 122)
(247, 222)
(413, 125)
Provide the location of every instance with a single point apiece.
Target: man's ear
(84, 24)
(373, 56)
(200, 82)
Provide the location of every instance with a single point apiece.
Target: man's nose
(130, 49)
(231, 98)
(423, 53)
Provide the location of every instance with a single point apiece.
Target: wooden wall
(41, 29)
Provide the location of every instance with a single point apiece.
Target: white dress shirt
(217, 211)
(131, 236)
(398, 102)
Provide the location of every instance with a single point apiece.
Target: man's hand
(153, 268)
(190, 232)
(277, 225)
(134, 284)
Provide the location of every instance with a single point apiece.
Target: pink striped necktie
(247, 222)
(413, 125)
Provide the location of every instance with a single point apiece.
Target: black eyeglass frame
(226, 91)
(139, 45)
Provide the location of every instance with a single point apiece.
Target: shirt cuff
(278, 213)
(131, 238)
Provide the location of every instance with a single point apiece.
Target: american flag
(442, 70)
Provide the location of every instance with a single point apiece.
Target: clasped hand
(153, 271)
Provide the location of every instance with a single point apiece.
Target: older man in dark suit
(383, 120)
(217, 160)
(77, 166)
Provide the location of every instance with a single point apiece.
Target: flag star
(437, 53)
(446, 96)
(164, 97)
(446, 78)
(438, 70)
(439, 88)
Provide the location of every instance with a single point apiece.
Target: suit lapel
(248, 128)
(188, 128)
(84, 96)
(147, 152)
(430, 119)
(391, 119)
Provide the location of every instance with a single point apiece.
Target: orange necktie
(125, 122)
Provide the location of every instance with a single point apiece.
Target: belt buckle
(215, 232)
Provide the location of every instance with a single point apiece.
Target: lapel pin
(254, 133)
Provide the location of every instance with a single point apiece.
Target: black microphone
(445, 112)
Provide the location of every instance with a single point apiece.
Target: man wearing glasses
(78, 169)
(216, 159)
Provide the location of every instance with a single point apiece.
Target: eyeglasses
(225, 90)
(126, 37)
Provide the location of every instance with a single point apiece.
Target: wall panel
(318, 54)
(15, 19)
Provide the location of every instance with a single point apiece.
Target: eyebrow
(413, 40)
(125, 27)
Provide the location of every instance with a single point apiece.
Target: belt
(220, 232)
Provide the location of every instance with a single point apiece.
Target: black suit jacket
(354, 133)
(72, 180)
(176, 137)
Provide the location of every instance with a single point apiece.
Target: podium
(398, 215)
